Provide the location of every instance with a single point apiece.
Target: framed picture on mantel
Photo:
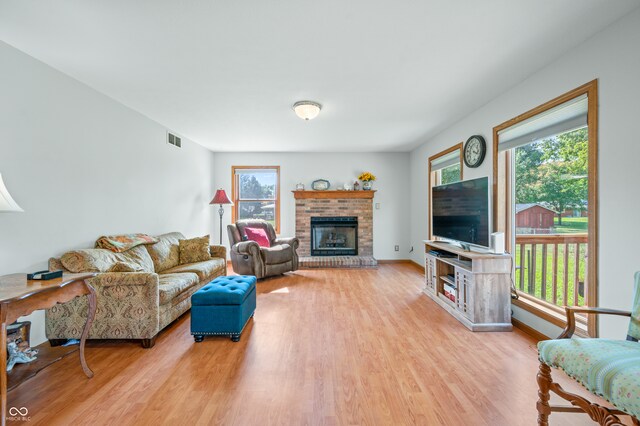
(320, 185)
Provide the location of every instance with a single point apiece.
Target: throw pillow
(258, 235)
(125, 267)
(194, 250)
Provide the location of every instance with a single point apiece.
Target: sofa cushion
(139, 256)
(171, 285)
(204, 270)
(90, 260)
(165, 253)
(230, 290)
(194, 250)
(608, 368)
(125, 267)
(276, 254)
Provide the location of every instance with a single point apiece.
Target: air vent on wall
(174, 140)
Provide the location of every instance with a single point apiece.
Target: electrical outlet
(377, 206)
(397, 248)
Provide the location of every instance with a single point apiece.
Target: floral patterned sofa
(132, 305)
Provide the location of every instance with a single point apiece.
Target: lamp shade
(220, 198)
(6, 202)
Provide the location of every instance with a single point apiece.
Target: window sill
(552, 314)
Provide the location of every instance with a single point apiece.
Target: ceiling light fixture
(307, 110)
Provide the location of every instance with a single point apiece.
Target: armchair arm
(111, 279)
(247, 247)
(571, 317)
(218, 251)
(293, 241)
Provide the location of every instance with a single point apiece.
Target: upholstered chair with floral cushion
(605, 367)
(256, 250)
(140, 290)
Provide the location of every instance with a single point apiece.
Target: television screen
(460, 211)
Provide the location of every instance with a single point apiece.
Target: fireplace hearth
(334, 236)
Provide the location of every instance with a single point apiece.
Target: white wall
(82, 165)
(611, 56)
(390, 222)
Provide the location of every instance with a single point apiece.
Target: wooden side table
(20, 297)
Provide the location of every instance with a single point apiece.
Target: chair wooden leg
(544, 383)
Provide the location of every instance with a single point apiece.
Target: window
(444, 167)
(256, 193)
(545, 169)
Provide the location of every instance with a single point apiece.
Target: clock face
(474, 151)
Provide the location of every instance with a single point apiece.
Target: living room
(91, 93)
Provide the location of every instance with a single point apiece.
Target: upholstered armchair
(607, 368)
(249, 258)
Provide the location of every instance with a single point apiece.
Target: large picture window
(256, 193)
(545, 170)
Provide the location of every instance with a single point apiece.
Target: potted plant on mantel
(367, 178)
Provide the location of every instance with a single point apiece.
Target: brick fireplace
(335, 204)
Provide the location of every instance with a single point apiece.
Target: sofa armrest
(293, 242)
(218, 251)
(247, 247)
(111, 279)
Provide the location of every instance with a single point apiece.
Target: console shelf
(481, 286)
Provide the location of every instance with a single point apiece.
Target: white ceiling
(389, 74)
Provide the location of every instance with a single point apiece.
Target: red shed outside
(534, 216)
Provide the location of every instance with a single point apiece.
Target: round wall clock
(474, 151)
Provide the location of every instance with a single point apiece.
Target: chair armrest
(111, 279)
(571, 317)
(247, 247)
(293, 241)
(218, 251)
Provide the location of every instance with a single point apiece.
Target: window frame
(502, 205)
(433, 180)
(235, 193)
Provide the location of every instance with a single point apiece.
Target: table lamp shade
(7, 204)
(220, 198)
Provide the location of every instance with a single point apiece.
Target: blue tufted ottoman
(223, 307)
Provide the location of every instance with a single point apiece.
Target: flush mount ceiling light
(307, 110)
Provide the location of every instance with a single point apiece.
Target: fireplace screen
(334, 236)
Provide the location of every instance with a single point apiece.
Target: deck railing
(553, 267)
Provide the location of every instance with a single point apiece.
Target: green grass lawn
(571, 225)
(537, 285)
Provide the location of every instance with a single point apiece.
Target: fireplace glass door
(334, 236)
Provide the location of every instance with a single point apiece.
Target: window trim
(431, 178)
(591, 90)
(235, 194)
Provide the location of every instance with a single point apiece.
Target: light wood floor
(328, 347)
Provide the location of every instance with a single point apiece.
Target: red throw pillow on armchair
(258, 235)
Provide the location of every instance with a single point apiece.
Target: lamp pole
(221, 213)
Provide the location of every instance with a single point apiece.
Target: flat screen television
(460, 211)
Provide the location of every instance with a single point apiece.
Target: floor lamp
(6, 202)
(221, 199)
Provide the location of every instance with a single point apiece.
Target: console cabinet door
(464, 290)
(430, 278)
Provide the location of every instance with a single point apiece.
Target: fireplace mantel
(332, 194)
